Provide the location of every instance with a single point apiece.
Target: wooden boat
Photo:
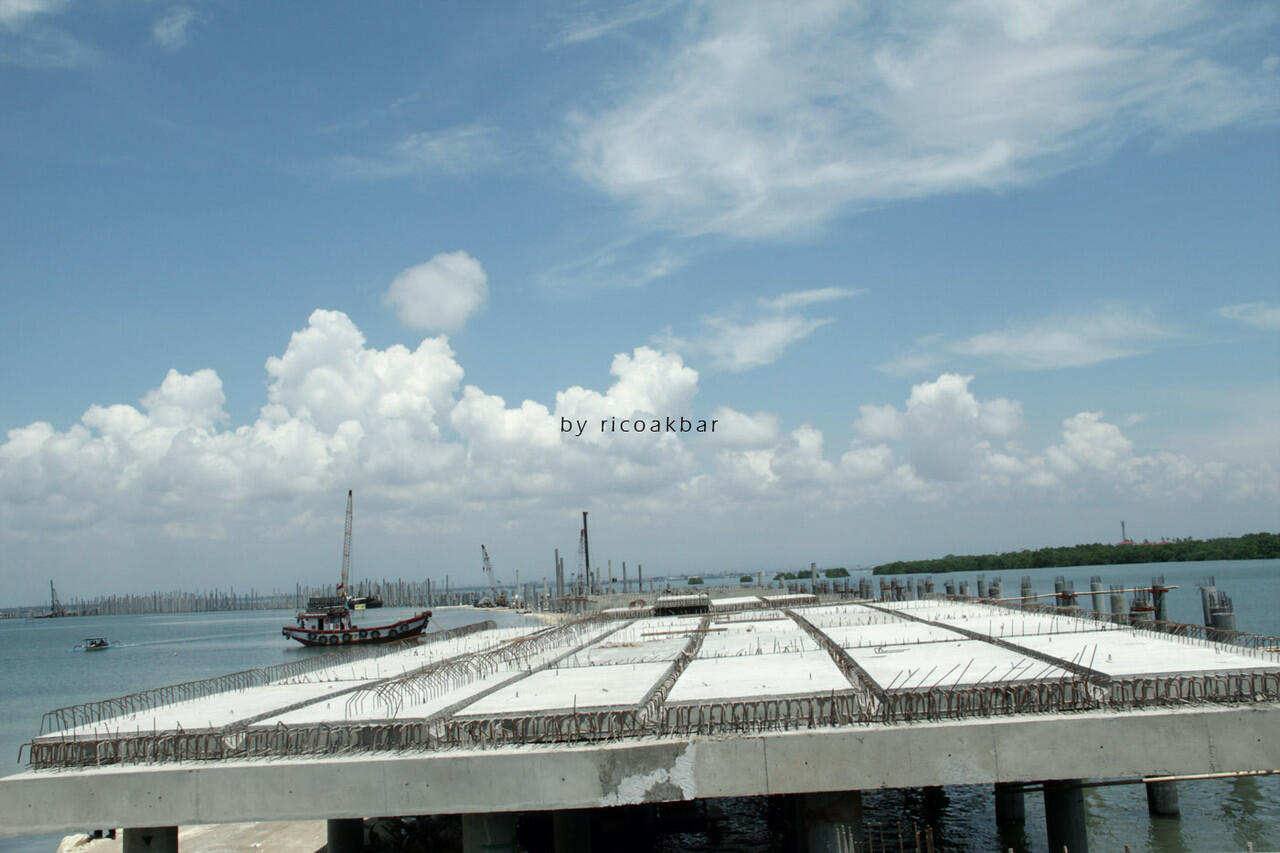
(327, 619)
(333, 627)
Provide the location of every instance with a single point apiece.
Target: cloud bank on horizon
(400, 426)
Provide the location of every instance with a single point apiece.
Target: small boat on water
(333, 627)
(95, 644)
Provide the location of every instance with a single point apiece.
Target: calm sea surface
(40, 672)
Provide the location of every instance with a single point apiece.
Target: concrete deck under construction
(763, 697)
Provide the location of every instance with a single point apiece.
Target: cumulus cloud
(946, 427)
(1263, 315)
(399, 426)
(172, 29)
(764, 119)
(439, 295)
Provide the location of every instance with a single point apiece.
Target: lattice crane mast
(499, 600)
(343, 592)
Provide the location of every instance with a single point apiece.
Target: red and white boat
(333, 627)
(327, 621)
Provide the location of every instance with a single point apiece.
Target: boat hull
(357, 636)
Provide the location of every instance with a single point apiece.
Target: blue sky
(953, 277)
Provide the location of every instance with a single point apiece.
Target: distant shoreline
(1251, 546)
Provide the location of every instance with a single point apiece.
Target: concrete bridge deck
(767, 697)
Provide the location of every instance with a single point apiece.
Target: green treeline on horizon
(1252, 546)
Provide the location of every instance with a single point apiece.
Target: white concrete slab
(1127, 653)
(896, 633)
(763, 634)
(949, 664)
(757, 675)
(560, 689)
(207, 712)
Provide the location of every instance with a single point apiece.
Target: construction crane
(496, 598)
(343, 592)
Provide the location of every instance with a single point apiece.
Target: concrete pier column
(572, 830)
(344, 835)
(1118, 609)
(152, 839)
(1162, 799)
(1011, 806)
(494, 832)
(1064, 816)
(1011, 816)
(829, 821)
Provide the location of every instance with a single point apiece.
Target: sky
(948, 277)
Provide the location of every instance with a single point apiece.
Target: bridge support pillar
(494, 832)
(150, 839)
(829, 821)
(571, 829)
(1011, 806)
(1064, 816)
(1011, 816)
(344, 835)
(1162, 799)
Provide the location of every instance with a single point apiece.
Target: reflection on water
(1240, 800)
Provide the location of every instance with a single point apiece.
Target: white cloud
(945, 427)
(439, 295)
(451, 151)
(740, 430)
(13, 12)
(766, 118)
(1072, 341)
(28, 41)
(736, 347)
(735, 343)
(1089, 442)
(589, 24)
(433, 458)
(171, 30)
(1062, 341)
(805, 298)
(875, 423)
(1260, 314)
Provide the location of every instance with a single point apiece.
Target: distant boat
(95, 644)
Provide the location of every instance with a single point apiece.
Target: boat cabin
(332, 619)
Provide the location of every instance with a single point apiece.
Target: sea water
(40, 671)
